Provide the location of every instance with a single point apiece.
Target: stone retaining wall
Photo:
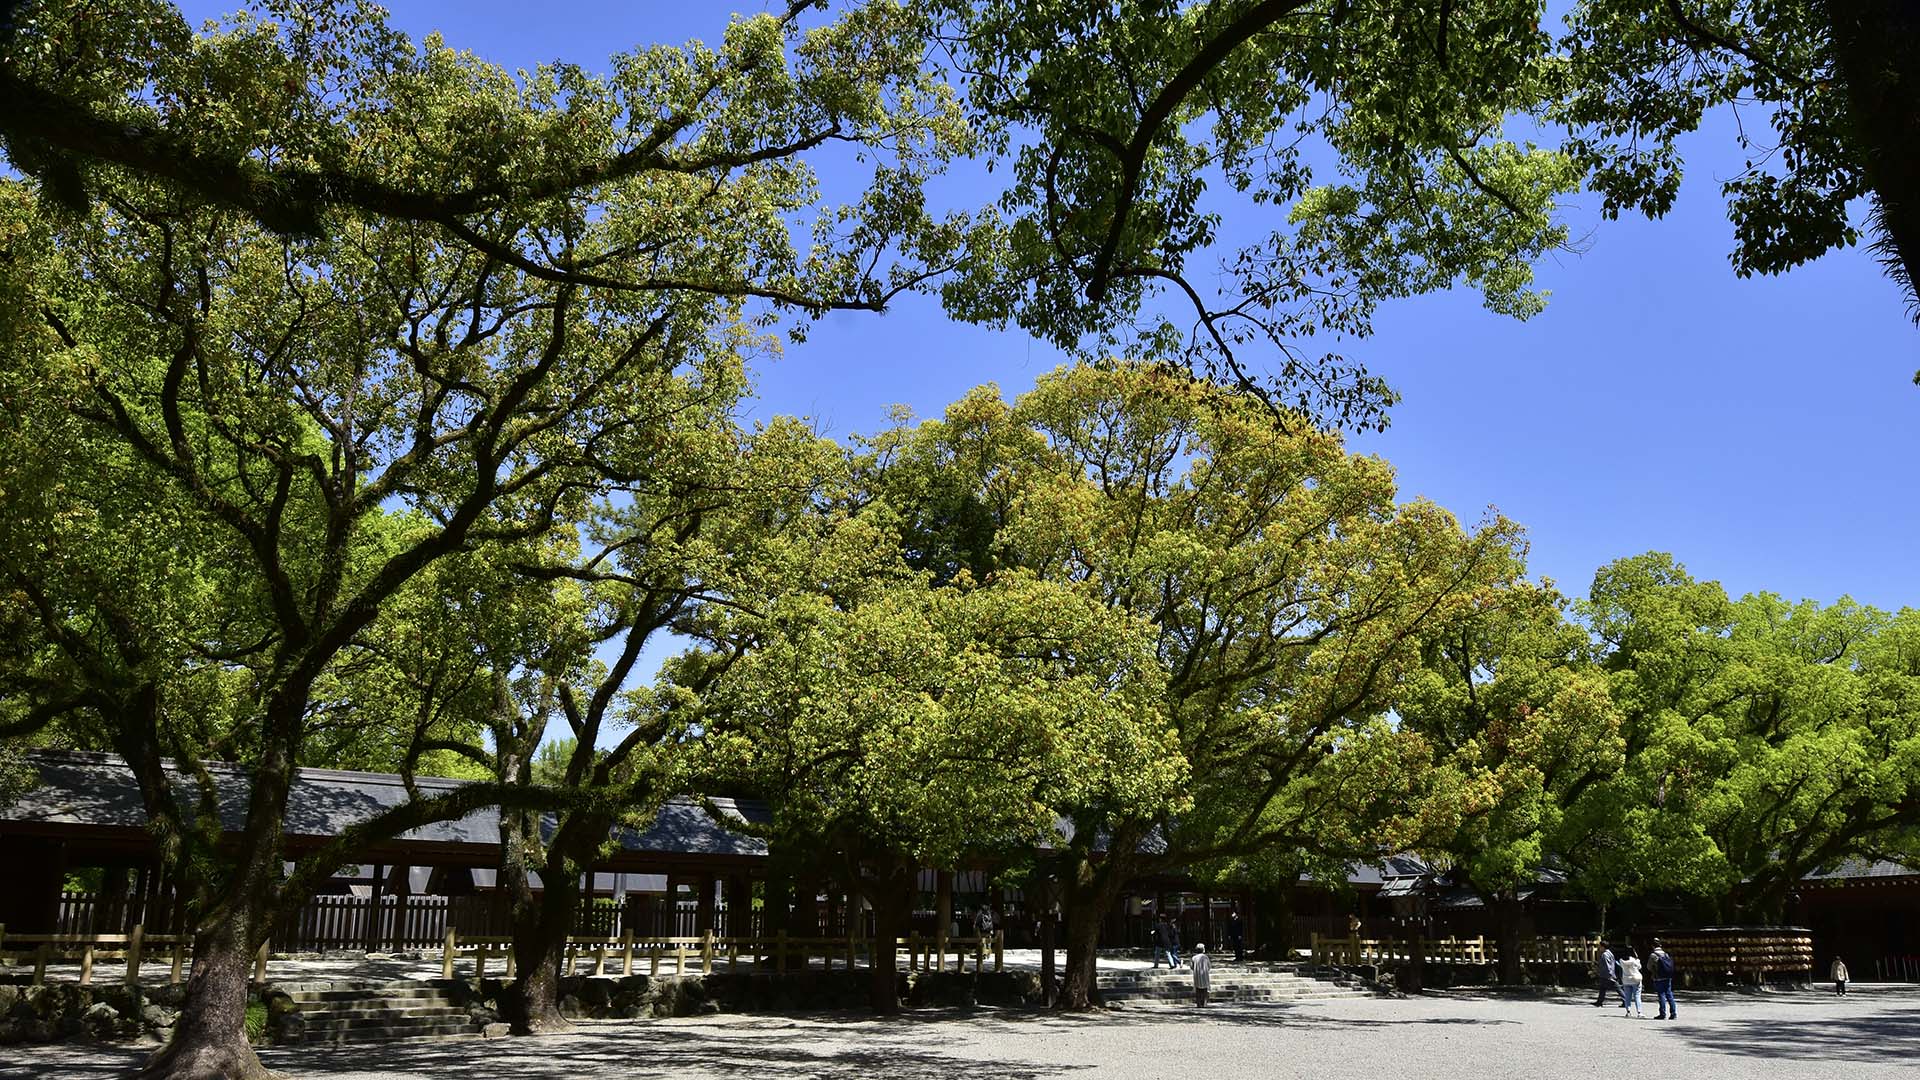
(59, 1012)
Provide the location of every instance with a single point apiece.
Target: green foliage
(1765, 740)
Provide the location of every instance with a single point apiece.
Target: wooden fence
(776, 954)
(1355, 951)
(136, 947)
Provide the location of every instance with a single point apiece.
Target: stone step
(384, 993)
(381, 1013)
(392, 1033)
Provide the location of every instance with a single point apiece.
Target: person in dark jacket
(1166, 942)
(1606, 971)
(1660, 970)
(1237, 935)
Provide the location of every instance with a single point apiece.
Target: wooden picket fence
(776, 954)
(1355, 951)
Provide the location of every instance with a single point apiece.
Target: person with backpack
(1661, 962)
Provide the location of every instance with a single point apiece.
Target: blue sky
(1762, 430)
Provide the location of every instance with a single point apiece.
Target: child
(1202, 973)
(1630, 985)
(1839, 975)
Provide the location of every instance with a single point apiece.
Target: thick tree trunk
(541, 923)
(1090, 893)
(1080, 989)
(209, 1041)
(1876, 45)
(892, 899)
(1507, 914)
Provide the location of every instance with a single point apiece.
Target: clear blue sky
(1764, 431)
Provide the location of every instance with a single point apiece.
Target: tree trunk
(540, 927)
(209, 1041)
(1507, 916)
(892, 899)
(1090, 893)
(1876, 46)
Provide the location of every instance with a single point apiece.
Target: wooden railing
(776, 954)
(136, 947)
(1355, 951)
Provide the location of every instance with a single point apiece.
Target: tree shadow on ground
(81, 1061)
(1875, 1038)
(648, 1050)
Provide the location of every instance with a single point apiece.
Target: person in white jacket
(1202, 973)
(1630, 980)
(1839, 975)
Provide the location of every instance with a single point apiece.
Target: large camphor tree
(922, 723)
(1285, 589)
(1765, 740)
(287, 426)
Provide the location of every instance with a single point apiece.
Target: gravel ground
(1875, 1033)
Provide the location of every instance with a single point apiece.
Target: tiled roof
(98, 790)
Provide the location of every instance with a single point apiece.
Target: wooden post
(780, 952)
(135, 939)
(706, 952)
(374, 908)
(260, 963)
(86, 964)
(653, 960)
(979, 954)
(446, 952)
(913, 951)
(179, 959)
(999, 950)
(600, 957)
(849, 948)
(679, 958)
(40, 964)
(942, 915)
(626, 947)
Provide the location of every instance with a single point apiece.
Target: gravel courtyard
(1872, 1034)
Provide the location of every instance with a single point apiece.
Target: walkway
(1874, 1035)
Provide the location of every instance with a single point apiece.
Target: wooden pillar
(805, 921)
(942, 916)
(1206, 918)
(704, 919)
(739, 907)
(373, 908)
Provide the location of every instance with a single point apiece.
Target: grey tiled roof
(1861, 868)
(98, 790)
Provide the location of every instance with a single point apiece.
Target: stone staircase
(1231, 982)
(377, 1012)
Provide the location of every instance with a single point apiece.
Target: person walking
(1202, 973)
(1166, 942)
(1662, 967)
(1630, 980)
(983, 923)
(1838, 973)
(1607, 972)
(1236, 934)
